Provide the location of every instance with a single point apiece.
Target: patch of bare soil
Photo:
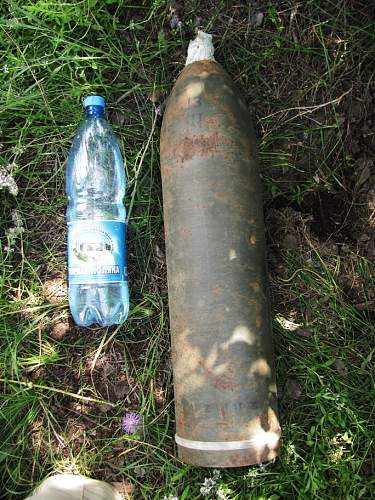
(336, 222)
(293, 231)
(78, 424)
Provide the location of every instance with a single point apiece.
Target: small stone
(292, 389)
(363, 238)
(60, 328)
(55, 290)
(304, 333)
(198, 21)
(258, 19)
(140, 472)
(175, 22)
(341, 368)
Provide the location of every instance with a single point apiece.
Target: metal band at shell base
(269, 439)
(258, 449)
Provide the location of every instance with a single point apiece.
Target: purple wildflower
(131, 422)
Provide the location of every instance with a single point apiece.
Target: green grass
(302, 77)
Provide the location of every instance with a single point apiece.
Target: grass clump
(306, 73)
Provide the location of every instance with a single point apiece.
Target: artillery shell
(222, 354)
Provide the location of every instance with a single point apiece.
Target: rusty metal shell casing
(222, 354)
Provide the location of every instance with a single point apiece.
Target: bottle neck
(97, 111)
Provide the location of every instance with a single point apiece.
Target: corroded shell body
(222, 355)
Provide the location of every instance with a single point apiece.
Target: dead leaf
(366, 361)
(364, 174)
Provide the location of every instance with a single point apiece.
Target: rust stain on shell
(199, 146)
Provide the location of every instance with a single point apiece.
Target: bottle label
(96, 252)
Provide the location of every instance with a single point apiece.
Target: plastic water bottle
(95, 186)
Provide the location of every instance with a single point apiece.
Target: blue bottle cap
(94, 100)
